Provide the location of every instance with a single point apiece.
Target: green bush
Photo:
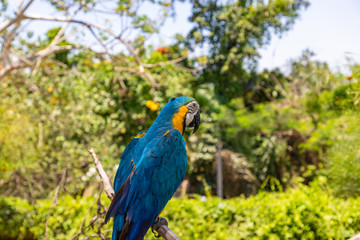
(304, 212)
(338, 133)
(343, 165)
(301, 213)
(27, 221)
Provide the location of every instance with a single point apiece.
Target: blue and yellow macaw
(151, 169)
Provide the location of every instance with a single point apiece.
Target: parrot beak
(195, 122)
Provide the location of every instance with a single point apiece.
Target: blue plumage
(151, 169)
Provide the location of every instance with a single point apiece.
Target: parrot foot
(157, 224)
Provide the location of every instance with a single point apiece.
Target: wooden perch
(356, 237)
(160, 226)
(104, 178)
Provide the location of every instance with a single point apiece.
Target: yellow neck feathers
(140, 135)
(178, 118)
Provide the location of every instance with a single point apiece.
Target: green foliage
(309, 74)
(63, 113)
(343, 165)
(27, 221)
(266, 86)
(270, 136)
(16, 218)
(288, 128)
(233, 33)
(16, 131)
(299, 133)
(300, 213)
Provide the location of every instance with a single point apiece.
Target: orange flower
(348, 78)
(162, 50)
(153, 106)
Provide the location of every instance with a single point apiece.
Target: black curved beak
(195, 122)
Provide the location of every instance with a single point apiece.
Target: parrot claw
(158, 223)
(157, 235)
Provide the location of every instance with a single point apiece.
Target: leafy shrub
(21, 220)
(15, 218)
(305, 212)
(343, 164)
(302, 213)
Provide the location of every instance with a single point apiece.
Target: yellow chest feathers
(179, 118)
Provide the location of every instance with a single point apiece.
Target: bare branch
(67, 19)
(90, 26)
(104, 178)
(160, 226)
(356, 237)
(29, 61)
(18, 18)
(57, 39)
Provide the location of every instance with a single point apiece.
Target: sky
(330, 28)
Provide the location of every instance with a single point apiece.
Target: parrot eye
(171, 99)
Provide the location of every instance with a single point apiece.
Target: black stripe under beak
(195, 122)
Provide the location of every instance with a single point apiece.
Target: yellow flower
(153, 106)
(53, 102)
(50, 89)
(123, 131)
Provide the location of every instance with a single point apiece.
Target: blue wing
(126, 164)
(124, 170)
(150, 186)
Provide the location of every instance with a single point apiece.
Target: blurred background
(276, 155)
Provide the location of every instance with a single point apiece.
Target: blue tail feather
(119, 221)
(139, 229)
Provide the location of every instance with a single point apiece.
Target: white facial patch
(193, 108)
(189, 118)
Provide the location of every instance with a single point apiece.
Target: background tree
(96, 82)
(232, 32)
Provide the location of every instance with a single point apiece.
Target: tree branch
(24, 62)
(131, 50)
(356, 237)
(37, 58)
(18, 18)
(104, 178)
(160, 226)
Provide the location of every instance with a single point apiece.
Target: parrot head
(184, 112)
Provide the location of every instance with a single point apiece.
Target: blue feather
(160, 165)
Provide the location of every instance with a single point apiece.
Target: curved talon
(158, 223)
(156, 234)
